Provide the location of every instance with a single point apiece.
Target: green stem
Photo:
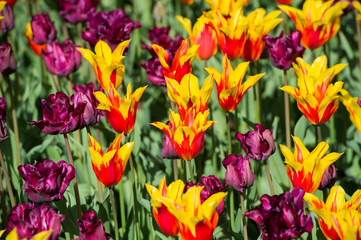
(245, 235)
(175, 169)
(325, 194)
(358, 40)
(318, 135)
(257, 96)
(287, 112)
(231, 207)
(137, 34)
(236, 126)
(70, 85)
(269, 178)
(7, 180)
(191, 170)
(229, 133)
(122, 208)
(116, 229)
(3, 204)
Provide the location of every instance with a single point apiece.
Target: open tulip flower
(306, 169)
(316, 97)
(318, 21)
(230, 89)
(120, 112)
(182, 61)
(335, 215)
(353, 106)
(187, 134)
(225, 7)
(201, 35)
(107, 64)
(109, 167)
(187, 94)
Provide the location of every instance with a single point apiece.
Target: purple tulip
(74, 11)
(168, 150)
(7, 23)
(258, 144)
(60, 117)
(30, 220)
(61, 59)
(46, 181)
(328, 178)
(282, 216)
(113, 28)
(238, 172)
(284, 51)
(3, 129)
(90, 228)
(7, 61)
(43, 29)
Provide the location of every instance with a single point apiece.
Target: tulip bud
(90, 228)
(43, 29)
(7, 23)
(328, 178)
(74, 11)
(3, 129)
(7, 61)
(168, 150)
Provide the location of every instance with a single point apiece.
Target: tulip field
(180, 119)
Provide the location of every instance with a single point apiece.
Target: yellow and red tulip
(201, 35)
(182, 61)
(187, 94)
(109, 167)
(352, 105)
(316, 97)
(120, 112)
(187, 134)
(34, 46)
(318, 21)
(107, 65)
(230, 89)
(225, 7)
(306, 169)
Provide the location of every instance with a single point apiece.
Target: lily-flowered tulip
(328, 178)
(107, 65)
(187, 135)
(7, 61)
(43, 29)
(239, 173)
(7, 23)
(120, 112)
(167, 149)
(90, 228)
(109, 167)
(230, 89)
(46, 181)
(61, 59)
(182, 60)
(258, 144)
(316, 97)
(74, 11)
(187, 94)
(317, 21)
(284, 51)
(163, 199)
(201, 35)
(306, 169)
(13, 235)
(353, 106)
(225, 7)
(282, 216)
(28, 219)
(330, 213)
(3, 129)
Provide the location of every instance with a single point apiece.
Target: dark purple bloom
(3, 129)
(238, 172)
(74, 11)
(61, 59)
(113, 28)
(43, 29)
(30, 220)
(168, 150)
(282, 216)
(7, 61)
(328, 178)
(258, 144)
(7, 23)
(90, 228)
(46, 181)
(60, 117)
(284, 51)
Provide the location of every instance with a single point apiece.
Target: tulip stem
(236, 126)
(257, 96)
(116, 229)
(191, 170)
(231, 207)
(75, 183)
(70, 86)
(3, 204)
(287, 113)
(7, 180)
(269, 178)
(358, 40)
(15, 121)
(56, 82)
(245, 235)
(175, 169)
(325, 194)
(318, 135)
(228, 122)
(214, 157)
(122, 208)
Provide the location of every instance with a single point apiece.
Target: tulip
(29, 220)
(182, 61)
(60, 117)
(225, 7)
(282, 216)
(284, 51)
(187, 135)
(120, 112)
(167, 149)
(316, 97)
(317, 21)
(306, 169)
(328, 178)
(7, 61)
(90, 228)
(201, 35)
(61, 59)
(230, 89)
(163, 199)
(13, 235)
(113, 28)
(3, 129)
(43, 29)
(109, 167)
(37, 48)
(7, 23)
(258, 144)
(353, 106)
(74, 11)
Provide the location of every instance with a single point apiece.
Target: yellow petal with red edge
(186, 23)
(210, 205)
(296, 166)
(116, 143)
(119, 50)
(106, 73)
(354, 201)
(215, 73)
(191, 53)
(295, 14)
(102, 49)
(162, 126)
(88, 55)
(124, 153)
(240, 71)
(300, 149)
(336, 199)
(98, 160)
(314, 201)
(162, 55)
(251, 80)
(138, 93)
(175, 190)
(290, 90)
(286, 152)
(226, 93)
(104, 103)
(94, 144)
(319, 151)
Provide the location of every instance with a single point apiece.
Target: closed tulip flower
(7, 61)
(74, 11)
(167, 149)
(90, 228)
(7, 23)
(3, 129)
(328, 178)
(43, 29)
